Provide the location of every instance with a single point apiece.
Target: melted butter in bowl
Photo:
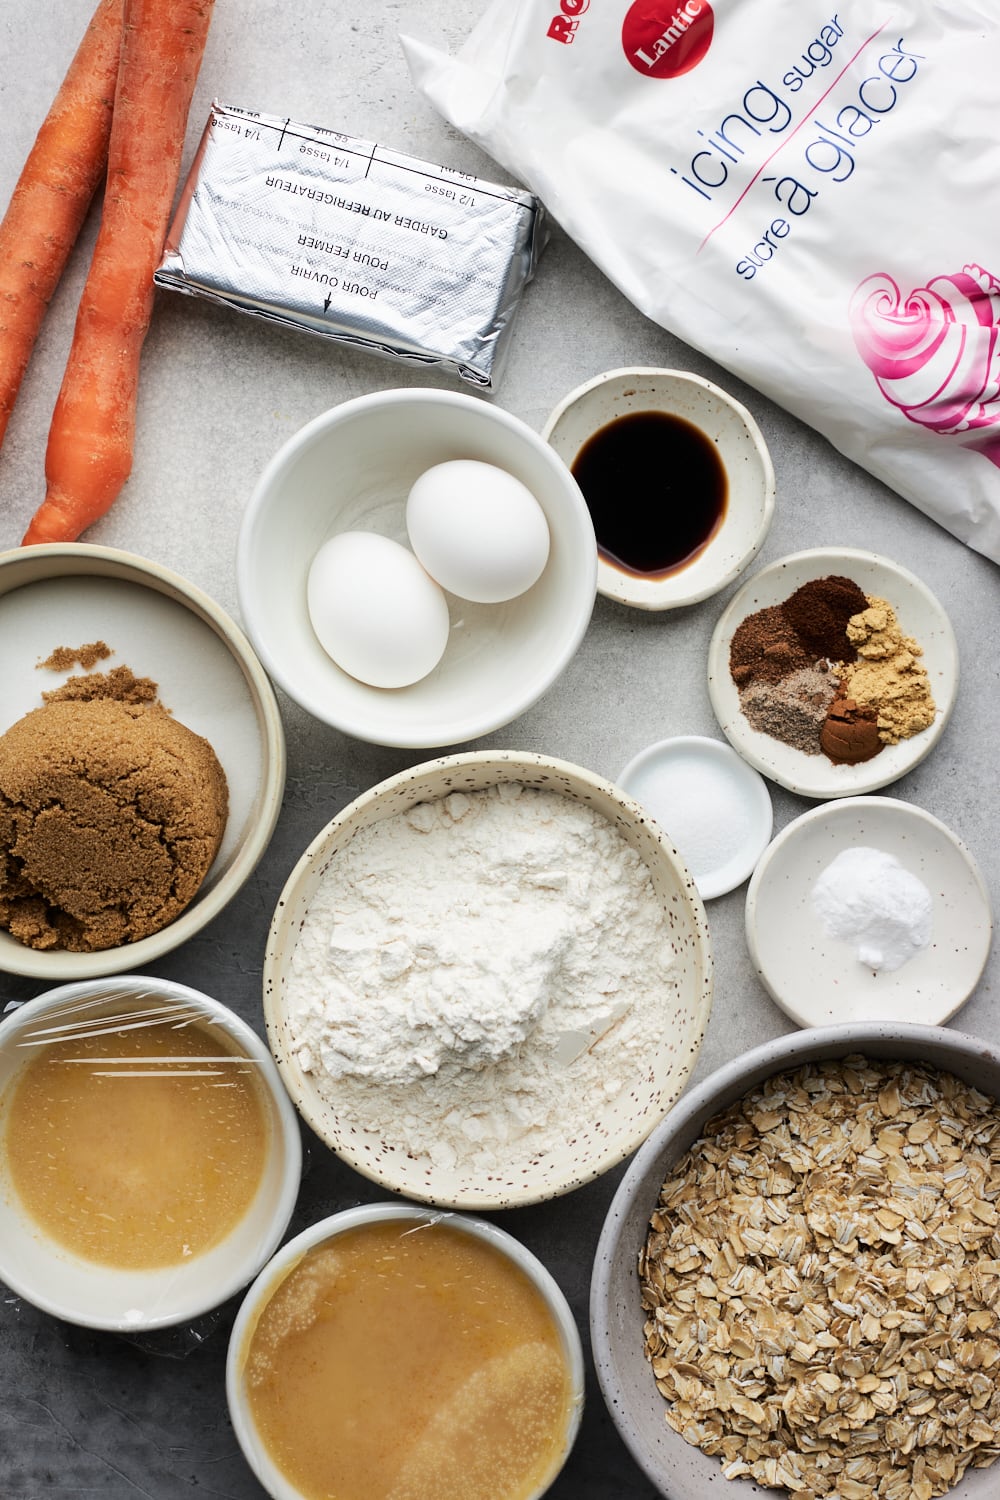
(393, 1353)
(149, 1156)
(136, 1144)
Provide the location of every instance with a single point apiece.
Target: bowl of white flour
(487, 979)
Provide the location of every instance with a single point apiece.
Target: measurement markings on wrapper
(351, 240)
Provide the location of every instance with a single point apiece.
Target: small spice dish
(818, 979)
(676, 1468)
(714, 807)
(919, 615)
(735, 442)
(602, 1134)
(207, 676)
(38, 1265)
(469, 1408)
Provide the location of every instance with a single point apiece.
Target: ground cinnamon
(765, 648)
(829, 625)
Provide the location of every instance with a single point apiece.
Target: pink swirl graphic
(936, 353)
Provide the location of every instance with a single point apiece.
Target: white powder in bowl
(865, 897)
(476, 978)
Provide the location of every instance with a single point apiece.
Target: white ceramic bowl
(408, 1216)
(351, 469)
(920, 615)
(678, 1470)
(818, 979)
(208, 676)
(741, 448)
(709, 802)
(624, 1121)
(58, 1281)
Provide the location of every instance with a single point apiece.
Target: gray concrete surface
(83, 1414)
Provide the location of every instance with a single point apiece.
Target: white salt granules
(477, 977)
(865, 897)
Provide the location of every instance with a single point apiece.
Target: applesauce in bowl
(394, 1352)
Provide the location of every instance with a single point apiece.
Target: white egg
(479, 531)
(375, 611)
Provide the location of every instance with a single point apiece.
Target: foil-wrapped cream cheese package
(353, 241)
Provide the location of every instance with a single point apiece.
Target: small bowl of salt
(868, 909)
(714, 807)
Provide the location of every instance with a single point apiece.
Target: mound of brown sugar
(111, 814)
(120, 683)
(86, 656)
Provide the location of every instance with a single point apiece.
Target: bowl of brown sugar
(142, 761)
(833, 671)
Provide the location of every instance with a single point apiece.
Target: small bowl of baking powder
(487, 979)
(868, 909)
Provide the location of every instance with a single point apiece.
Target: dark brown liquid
(656, 489)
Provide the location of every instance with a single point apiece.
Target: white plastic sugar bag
(809, 195)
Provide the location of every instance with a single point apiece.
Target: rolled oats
(821, 1283)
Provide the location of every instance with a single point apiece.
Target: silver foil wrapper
(353, 241)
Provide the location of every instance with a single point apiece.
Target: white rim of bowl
(281, 1264)
(614, 585)
(203, 910)
(288, 1138)
(465, 729)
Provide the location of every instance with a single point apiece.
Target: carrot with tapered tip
(89, 455)
(64, 168)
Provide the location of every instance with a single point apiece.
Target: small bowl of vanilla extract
(677, 477)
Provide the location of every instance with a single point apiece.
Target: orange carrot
(89, 455)
(50, 202)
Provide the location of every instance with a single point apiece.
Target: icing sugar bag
(807, 195)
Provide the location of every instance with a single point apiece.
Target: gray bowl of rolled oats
(797, 1286)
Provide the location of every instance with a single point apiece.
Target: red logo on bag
(562, 28)
(664, 38)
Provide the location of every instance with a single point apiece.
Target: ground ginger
(888, 674)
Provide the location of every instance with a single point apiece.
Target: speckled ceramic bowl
(739, 443)
(677, 1469)
(618, 1124)
(919, 614)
